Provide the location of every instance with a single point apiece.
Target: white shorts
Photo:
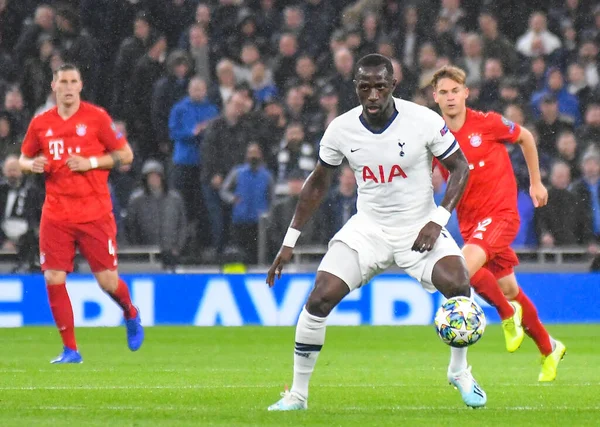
(377, 250)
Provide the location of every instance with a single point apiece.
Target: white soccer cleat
(289, 402)
(471, 393)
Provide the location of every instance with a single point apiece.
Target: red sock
(121, 296)
(532, 324)
(60, 305)
(486, 286)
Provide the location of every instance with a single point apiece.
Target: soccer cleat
(135, 332)
(289, 402)
(68, 356)
(513, 329)
(471, 393)
(550, 362)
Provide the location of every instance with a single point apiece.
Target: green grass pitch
(366, 376)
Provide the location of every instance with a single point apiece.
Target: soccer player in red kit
(487, 212)
(75, 145)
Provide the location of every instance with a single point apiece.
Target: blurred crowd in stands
(224, 103)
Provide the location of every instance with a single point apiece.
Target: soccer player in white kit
(389, 143)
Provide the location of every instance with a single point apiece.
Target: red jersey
(492, 188)
(74, 196)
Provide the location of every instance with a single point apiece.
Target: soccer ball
(460, 322)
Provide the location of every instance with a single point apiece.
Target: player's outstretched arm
(114, 159)
(537, 191)
(314, 190)
(458, 167)
(35, 165)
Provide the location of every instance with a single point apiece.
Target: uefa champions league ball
(460, 322)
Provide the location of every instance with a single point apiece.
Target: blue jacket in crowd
(184, 117)
(252, 188)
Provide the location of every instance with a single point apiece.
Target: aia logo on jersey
(383, 176)
(81, 129)
(475, 140)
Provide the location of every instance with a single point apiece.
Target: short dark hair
(67, 67)
(374, 60)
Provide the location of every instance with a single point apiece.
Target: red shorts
(96, 240)
(495, 235)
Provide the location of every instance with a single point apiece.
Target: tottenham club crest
(401, 145)
(81, 129)
(475, 140)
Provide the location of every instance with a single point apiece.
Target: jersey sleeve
(503, 129)
(31, 144)
(330, 153)
(442, 143)
(108, 134)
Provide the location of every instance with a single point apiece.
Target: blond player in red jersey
(75, 145)
(487, 213)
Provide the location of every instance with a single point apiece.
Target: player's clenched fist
(38, 164)
(427, 237)
(78, 163)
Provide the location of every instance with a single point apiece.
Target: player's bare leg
(117, 289)
(486, 286)
(552, 350)
(62, 312)
(450, 277)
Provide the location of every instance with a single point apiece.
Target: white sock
(458, 360)
(310, 336)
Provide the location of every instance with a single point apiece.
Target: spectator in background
(37, 74)
(167, 91)
(340, 204)
(284, 64)
(514, 113)
(226, 82)
(200, 51)
(282, 212)
(188, 121)
(589, 134)
(567, 152)
(534, 80)
(20, 213)
(551, 124)
(249, 189)
(409, 38)
(249, 56)
(148, 70)
(14, 105)
(156, 215)
(587, 196)
(261, 82)
(578, 86)
(343, 80)
(568, 105)
(495, 45)
(129, 53)
(428, 64)
(223, 148)
(295, 153)
(472, 61)
(538, 41)
(9, 140)
(490, 85)
(558, 223)
(588, 57)
(43, 22)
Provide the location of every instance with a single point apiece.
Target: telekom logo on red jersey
(57, 148)
(369, 175)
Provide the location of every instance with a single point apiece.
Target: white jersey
(393, 166)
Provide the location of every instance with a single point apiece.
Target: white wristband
(93, 162)
(440, 216)
(291, 237)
